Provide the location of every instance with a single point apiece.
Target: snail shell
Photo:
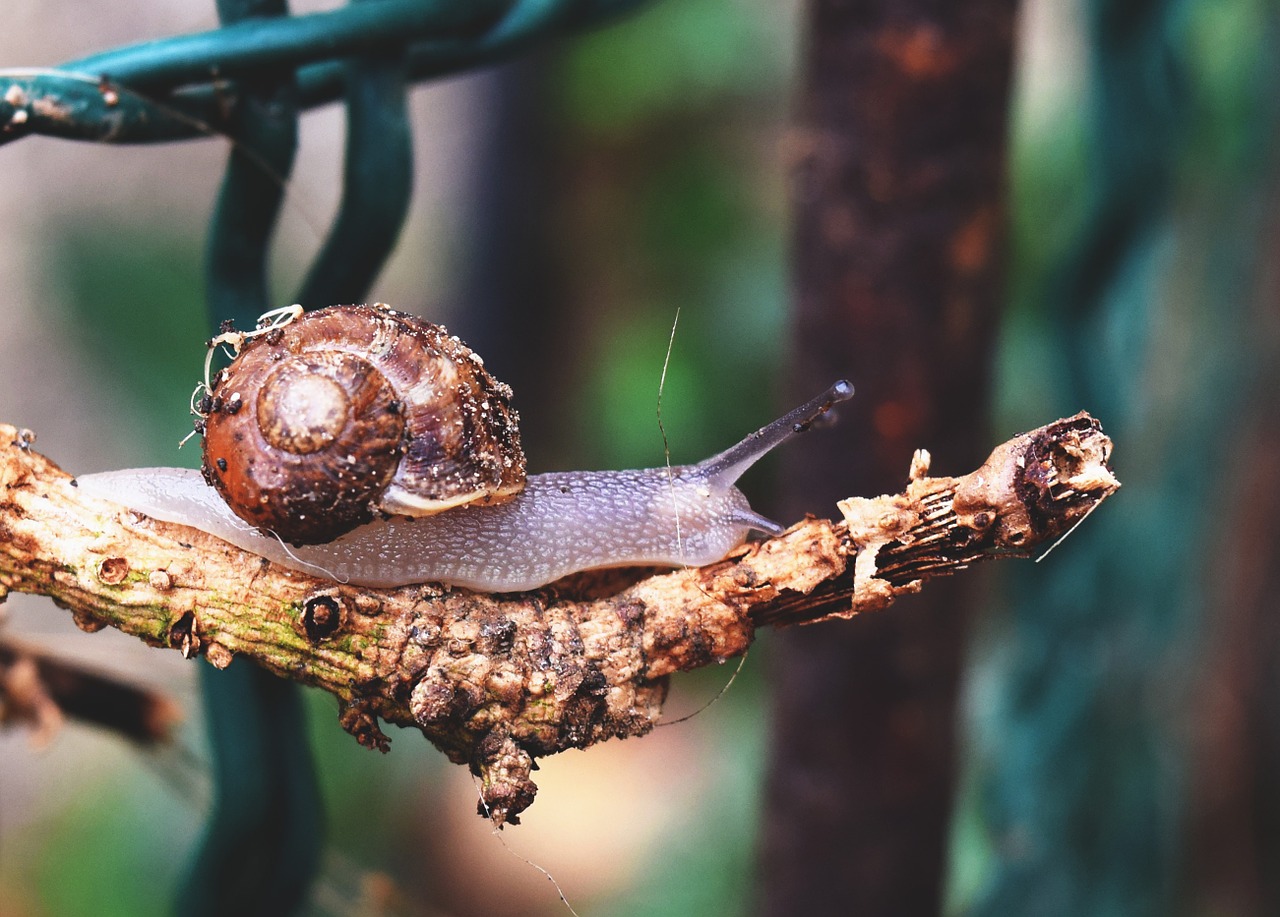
(354, 411)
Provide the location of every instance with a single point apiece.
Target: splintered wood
(497, 681)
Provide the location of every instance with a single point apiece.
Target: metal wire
(190, 86)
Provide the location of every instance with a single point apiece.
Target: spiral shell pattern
(355, 411)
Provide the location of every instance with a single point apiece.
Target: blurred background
(1117, 718)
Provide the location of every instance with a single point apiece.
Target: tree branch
(496, 681)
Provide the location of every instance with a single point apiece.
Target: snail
(427, 482)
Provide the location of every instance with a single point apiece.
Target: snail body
(559, 524)
(510, 538)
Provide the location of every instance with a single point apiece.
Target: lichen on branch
(499, 680)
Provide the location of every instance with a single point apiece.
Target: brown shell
(355, 410)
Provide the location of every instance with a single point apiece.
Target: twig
(496, 681)
(38, 689)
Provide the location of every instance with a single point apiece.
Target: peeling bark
(497, 681)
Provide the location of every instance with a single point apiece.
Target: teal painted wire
(377, 182)
(75, 107)
(255, 44)
(261, 848)
(263, 837)
(1083, 691)
(526, 24)
(379, 153)
(157, 106)
(249, 202)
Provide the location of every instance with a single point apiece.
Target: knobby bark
(496, 681)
